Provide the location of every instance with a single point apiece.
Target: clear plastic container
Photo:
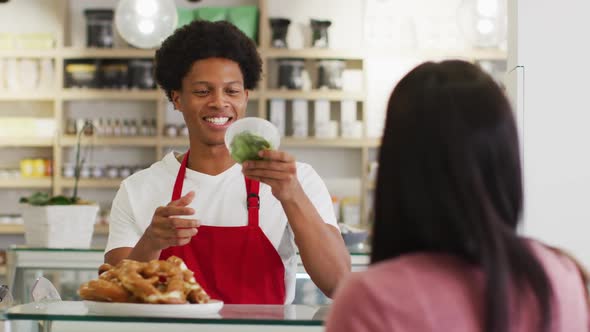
(256, 126)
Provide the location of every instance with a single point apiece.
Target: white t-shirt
(220, 200)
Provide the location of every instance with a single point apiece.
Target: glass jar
(114, 76)
(291, 73)
(319, 37)
(99, 28)
(330, 74)
(80, 75)
(141, 74)
(279, 27)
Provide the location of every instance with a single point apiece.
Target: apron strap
(177, 191)
(252, 201)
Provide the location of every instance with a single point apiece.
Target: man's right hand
(167, 229)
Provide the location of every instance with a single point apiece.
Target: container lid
(114, 66)
(141, 63)
(99, 13)
(80, 67)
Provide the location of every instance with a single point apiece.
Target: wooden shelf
(12, 229)
(86, 94)
(373, 142)
(91, 183)
(332, 95)
(149, 141)
(313, 53)
(26, 183)
(478, 54)
(322, 142)
(37, 54)
(174, 141)
(26, 96)
(26, 141)
(20, 229)
(103, 53)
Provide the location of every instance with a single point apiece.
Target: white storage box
(59, 226)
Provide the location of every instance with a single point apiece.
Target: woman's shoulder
(557, 262)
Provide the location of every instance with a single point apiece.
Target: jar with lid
(171, 130)
(117, 130)
(99, 28)
(124, 171)
(112, 172)
(114, 75)
(71, 127)
(291, 73)
(38, 167)
(330, 74)
(141, 74)
(85, 171)
(80, 75)
(145, 129)
(69, 171)
(98, 171)
(183, 130)
(133, 128)
(319, 33)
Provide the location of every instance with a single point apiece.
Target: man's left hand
(278, 170)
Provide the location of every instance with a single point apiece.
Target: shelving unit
(60, 96)
(33, 183)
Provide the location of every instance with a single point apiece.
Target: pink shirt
(437, 292)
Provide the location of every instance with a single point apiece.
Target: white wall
(556, 114)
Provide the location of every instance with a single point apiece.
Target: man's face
(211, 98)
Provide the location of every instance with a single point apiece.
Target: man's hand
(278, 170)
(167, 229)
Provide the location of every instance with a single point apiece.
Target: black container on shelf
(81, 74)
(279, 27)
(141, 74)
(99, 28)
(291, 73)
(319, 36)
(114, 75)
(330, 74)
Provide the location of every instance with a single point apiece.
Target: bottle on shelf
(133, 128)
(108, 128)
(125, 128)
(145, 129)
(117, 128)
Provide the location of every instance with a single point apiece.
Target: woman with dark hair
(445, 252)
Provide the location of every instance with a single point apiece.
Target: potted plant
(60, 221)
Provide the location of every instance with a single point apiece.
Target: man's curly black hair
(201, 40)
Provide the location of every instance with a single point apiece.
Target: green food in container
(246, 145)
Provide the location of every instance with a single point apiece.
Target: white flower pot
(59, 226)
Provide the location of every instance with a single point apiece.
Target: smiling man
(238, 228)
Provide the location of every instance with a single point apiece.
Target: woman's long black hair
(449, 181)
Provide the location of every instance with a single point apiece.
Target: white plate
(154, 310)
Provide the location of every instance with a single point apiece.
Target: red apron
(237, 265)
